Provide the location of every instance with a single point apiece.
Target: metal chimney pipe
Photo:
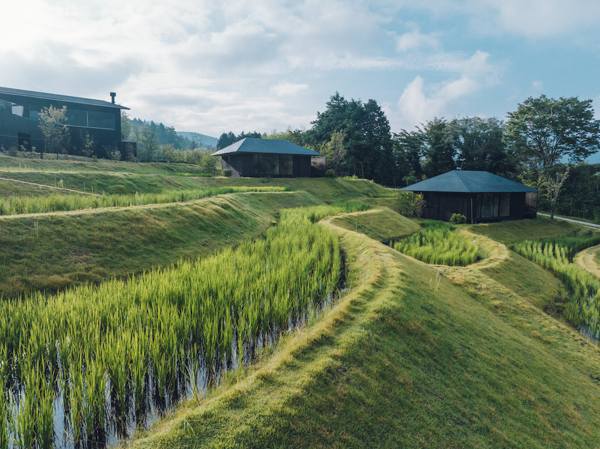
(112, 96)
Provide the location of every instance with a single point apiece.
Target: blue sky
(211, 67)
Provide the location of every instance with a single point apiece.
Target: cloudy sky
(214, 66)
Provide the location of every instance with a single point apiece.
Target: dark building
(266, 157)
(86, 118)
(478, 195)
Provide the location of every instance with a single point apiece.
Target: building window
(103, 120)
(77, 117)
(18, 109)
(286, 165)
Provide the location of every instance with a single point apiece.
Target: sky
(263, 65)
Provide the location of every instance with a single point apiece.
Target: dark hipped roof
(270, 146)
(61, 98)
(458, 181)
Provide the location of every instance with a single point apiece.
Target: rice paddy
(583, 307)
(92, 363)
(438, 244)
(57, 202)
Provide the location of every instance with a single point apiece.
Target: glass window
(489, 205)
(104, 120)
(504, 205)
(286, 165)
(17, 109)
(77, 117)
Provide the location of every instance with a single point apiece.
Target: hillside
(408, 359)
(204, 140)
(409, 355)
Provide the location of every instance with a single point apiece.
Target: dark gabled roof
(61, 98)
(271, 146)
(458, 181)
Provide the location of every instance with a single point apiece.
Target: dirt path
(116, 209)
(588, 260)
(79, 192)
(584, 223)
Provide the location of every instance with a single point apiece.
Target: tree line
(543, 143)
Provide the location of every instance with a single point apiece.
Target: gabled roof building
(20, 117)
(478, 195)
(266, 157)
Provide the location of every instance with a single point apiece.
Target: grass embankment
(329, 190)
(54, 252)
(380, 224)
(10, 188)
(50, 163)
(143, 338)
(58, 202)
(589, 259)
(510, 232)
(407, 359)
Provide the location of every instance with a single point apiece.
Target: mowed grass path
(408, 359)
(51, 252)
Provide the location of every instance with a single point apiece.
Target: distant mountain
(205, 141)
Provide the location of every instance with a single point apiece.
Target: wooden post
(472, 221)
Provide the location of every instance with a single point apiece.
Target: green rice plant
(140, 337)
(439, 245)
(557, 255)
(56, 202)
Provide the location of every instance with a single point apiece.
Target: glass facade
(272, 164)
(104, 120)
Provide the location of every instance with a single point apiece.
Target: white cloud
(537, 18)
(415, 40)
(537, 85)
(420, 103)
(288, 89)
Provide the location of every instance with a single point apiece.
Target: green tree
(335, 151)
(149, 145)
(126, 126)
(369, 143)
(480, 145)
(544, 131)
(53, 127)
(439, 150)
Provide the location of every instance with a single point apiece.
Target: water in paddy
(122, 418)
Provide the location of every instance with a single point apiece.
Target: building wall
(245, 164)
(26, 122)
(477, 206)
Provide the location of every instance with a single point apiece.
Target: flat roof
(269, 146)
(459, 181)
(61, 98)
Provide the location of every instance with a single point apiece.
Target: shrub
(410, 203)
(330, 173)
(227, 173)
(458, 219)
(12, 151)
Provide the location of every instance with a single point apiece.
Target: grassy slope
(51, 164)
(407, 359)
(67, 250)
(379, 224)
(589, 259)
(329, 190)
(509, 232)
(10, 188)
